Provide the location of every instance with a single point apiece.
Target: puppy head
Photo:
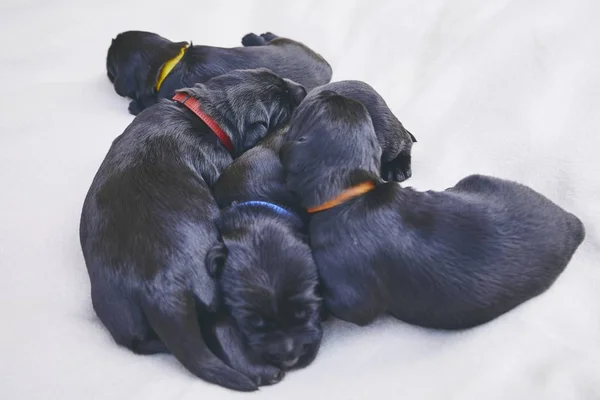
(330, 146)
(134, 60)
(248, 103)
(268, 281)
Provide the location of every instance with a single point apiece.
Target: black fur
(449, 260)
(148, 218)
(258, 175)
(135, 59)
(395, 141)
(263, 264)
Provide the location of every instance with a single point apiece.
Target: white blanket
(509, 88)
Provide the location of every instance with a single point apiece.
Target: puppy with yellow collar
(146, 67)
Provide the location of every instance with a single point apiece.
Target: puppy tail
(180, 332)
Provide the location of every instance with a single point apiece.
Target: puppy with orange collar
(449, 260)
(395, 140)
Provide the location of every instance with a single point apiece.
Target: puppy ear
(215, 259)
(253, 134)
(412, 137)
(297, 91)
(173, 49)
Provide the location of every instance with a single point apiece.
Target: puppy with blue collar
(266, 275)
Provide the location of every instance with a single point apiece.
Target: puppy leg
(152, 346)
(173, 316)
(268, 36)
(345, 303)
(125, 321)
(355, 316)
(398, 169)
(226, 341)
(135, 107)
(253, 39)
(139, 105)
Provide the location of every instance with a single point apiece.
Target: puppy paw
(268, 36)
(397, 170)
(253, 39)
(135, 107)
(268, 375)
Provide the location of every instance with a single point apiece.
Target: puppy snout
(297, 91)
(284, 353)
(288, 346)
(285, 350)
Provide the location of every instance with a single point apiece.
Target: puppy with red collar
(449, 260)
(148, 219)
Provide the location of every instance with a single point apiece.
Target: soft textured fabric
(509, 88)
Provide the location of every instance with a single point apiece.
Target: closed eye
(257, 322)
(301, 314)
(258, 124)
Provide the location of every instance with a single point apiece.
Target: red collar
(194, 105)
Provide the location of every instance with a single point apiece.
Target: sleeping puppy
(395, 141)
(258, 175)
(449, 260)
(146, 67)
(148, 218)
(263, 264)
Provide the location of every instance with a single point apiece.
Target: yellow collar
(343, 197)
(168, 67)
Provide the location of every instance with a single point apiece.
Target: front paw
(135, 107)
(266, 375)
(253, 39)
(397, 170)
(268, 36)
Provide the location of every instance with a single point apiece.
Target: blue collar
(274, 207)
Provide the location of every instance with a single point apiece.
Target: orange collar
(343, 197)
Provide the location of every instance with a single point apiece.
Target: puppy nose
(297, 91)
(288, 346)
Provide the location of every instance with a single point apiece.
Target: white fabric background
(503, 87)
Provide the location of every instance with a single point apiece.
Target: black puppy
(146, 67)
(395, 141)
(258, 175)
(450, 260)
(148, 218)
(263, 263)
